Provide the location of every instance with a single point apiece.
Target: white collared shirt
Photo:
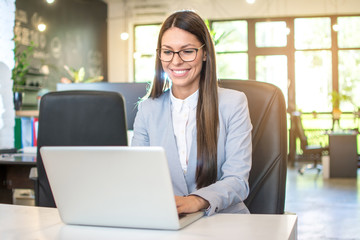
(184, 123)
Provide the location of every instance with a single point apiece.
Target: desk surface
(23, 222)
(27, 113)
(18, 159)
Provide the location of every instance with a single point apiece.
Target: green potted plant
(336, 99)
(78, 76)
(335, 102)
(19, 72)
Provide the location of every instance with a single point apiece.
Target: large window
(313, 80)
(231, 45)
(273, 69)
(349, 78)
(312, 33)
(313, 74)
(271, 34)
(349, 32)
(349, 61)
(270, 66)
(145, 52)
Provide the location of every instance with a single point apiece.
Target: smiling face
(185, 76)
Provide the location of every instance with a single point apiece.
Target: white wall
(117, 48)
(7, 113)
(152, 11)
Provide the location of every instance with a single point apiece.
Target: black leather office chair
(309, 152)
(77, 118)
(269, 139)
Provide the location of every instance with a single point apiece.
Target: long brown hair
(207, 116)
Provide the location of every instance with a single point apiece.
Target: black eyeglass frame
(178, 53)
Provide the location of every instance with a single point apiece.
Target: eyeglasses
(187, 55)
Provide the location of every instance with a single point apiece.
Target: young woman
(205, 130)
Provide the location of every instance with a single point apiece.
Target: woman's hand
(190, 204)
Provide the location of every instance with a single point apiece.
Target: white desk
(23, 222)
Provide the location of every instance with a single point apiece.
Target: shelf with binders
(26, 120)
(26, 126)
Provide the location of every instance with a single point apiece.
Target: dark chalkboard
(75, 35)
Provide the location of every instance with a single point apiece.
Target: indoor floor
(326, 208)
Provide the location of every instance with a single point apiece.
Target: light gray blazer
(153, 127)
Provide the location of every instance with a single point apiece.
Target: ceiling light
(124, 36)
(250, 1)
(42, 27)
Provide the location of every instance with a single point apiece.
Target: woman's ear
(204, 57)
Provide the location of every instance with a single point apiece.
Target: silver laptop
(113, 186)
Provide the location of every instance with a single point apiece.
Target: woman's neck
(182, 93)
